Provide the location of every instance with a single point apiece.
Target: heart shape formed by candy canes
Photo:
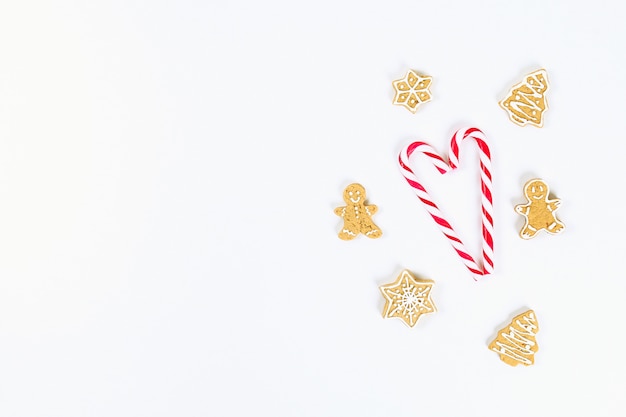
(485, 187)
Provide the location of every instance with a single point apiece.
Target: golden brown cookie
(412, 90)
(526, 102)
(516, 342)
(357, 216)
(407, 298)
(540, 212)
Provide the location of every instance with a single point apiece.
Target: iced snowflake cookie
(412, 90)
(526, 102)
(407, 298)
(357, 216)
(540, 212)
(516, 342)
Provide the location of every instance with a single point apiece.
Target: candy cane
(485, 186)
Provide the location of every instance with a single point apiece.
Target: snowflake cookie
(357, 216)
(516, 342)
(407, 298)
(412, 90)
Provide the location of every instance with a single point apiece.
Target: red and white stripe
(485, 186)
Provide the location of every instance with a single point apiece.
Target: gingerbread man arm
(340, 211)
(371, 210)
(553, 204)
(522, 208)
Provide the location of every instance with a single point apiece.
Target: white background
(168, 173)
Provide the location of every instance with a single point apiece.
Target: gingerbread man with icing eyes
(356, 215)
(539, 211)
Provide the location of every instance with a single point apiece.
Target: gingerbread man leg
(349, 230)
(555, 227)
(528, 231)
(369, 229)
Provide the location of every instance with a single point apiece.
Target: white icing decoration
(518, 346)
(533, 104)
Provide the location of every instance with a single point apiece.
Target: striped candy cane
(485, 186)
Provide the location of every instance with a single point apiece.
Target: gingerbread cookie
(357, 216)
(526, 102)
(539, 211)
(516, 342)
(412, 90)
(407, 298)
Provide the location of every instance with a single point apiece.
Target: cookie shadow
(521, 198)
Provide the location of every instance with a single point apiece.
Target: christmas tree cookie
(516, 342)
(526, 102)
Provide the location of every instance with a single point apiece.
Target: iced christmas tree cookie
(516, 342)
(526, 102)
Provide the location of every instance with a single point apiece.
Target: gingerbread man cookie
(539, 211)
(356, 215)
